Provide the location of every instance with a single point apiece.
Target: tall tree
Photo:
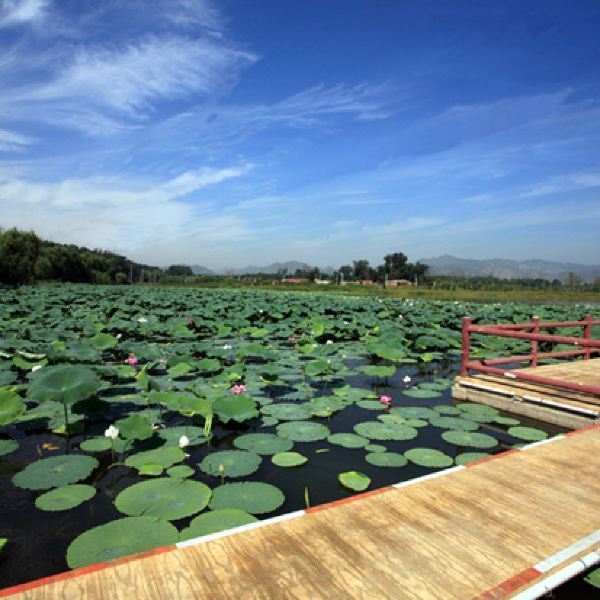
(19, 251)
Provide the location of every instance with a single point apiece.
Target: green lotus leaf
(230, 463)
(303, 431)
(467, 457)
(507, 421)
(8, 446)
(471, 408)
(529, 434)
(215, 521)
(370, 404)
(443, 409)
(64, 383)
(166, 498)
(375, 430)
(421, 393)
(262, 443)
(11, 407)
(378, 371)
(55, 471)
(150, 470)
(348, 440)
(469, 438)
(119, 538)
(454, 423)
(165, 456)
(208, 365)
(65, 497)
(180, 370)
(135, 427)
(172, 435)
(251, 496)
(287, 411)
(593, 578)
(96, 444)
(354, 480)
(103, 341)
(386, 459)
(180, 471)
(325, 405)
(428, 457)
(288, 459)
(238, 408)
(414, 412)
(375, 448)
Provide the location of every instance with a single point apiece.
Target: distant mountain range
(273, 268)
(509, 269)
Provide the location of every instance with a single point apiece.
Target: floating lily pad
(348, 440)
(8, 446)
(166, 498)
(236, 408)
(151, 470)
(171, 435)
(180, 471)
(251, 496)
(135, 427)
(230, 463)
(378, 371)
(55, 471)
(529, 434)
(370, 404)
(64, 383)
(11, 407)
(593, 578)
(262, 443)
(428, 457)
(288, 459)
(375, 448)
(414, 412)
(507, 421)
(469, 438)
(386, 459)
(354, 480)
(443, 409)
(467, 457)
(215, 521)
(65, 497)
(472, 408)
(454, 423)
(165, 456)
(287, 411)
(421, 393)
(375, 430)
(303, 431)
(119, 538)
(96, 444)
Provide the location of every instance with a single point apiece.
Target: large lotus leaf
(593, 578)
(287, 411)
(507, 421)
(11, 407)
(65, 497)
(444, 409)
(180, 471)
(288, 459)
(348, 440)
(421, 393)
(414, 412)
(166, 498)
(208, 365)
(378, 371)
(8, 446)
(454, 423)
(262, 443)
(467, 457)
(375, 430)
(230, 463)
(469, 438)
(375, 448)
(354, 480)
(119, 538)
(303, 431)
(103, 341)
(252, 496)
(238, 408)
(529, 434)
(96, 444)
(135, 427)
(477, 409)
(165, 456)
(370, 404)
(428, 457)
(180, 370)
(55, 471)
(172, 435)
(325, 406)
(64, 383)
(215, 521)
(386, 459)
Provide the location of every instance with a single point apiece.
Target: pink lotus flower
(238, 389)
(292, 339)
(387, 400)
(132, 360)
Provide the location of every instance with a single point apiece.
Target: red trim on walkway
(347, 500)
(510, 585)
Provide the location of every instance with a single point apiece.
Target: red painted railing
(531, 332)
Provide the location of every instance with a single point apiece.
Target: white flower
(407, 379)
(261, 311)
(184, 441)
(142, 320)
(346, 322)
(328, 362)
(36, 368)
(154, 427)
(112, 432)
(119, 336)
(329, 342)
(344, 356)
(227, 347)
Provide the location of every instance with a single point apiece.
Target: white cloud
(563, 183)
(16, 12)
(11, 141)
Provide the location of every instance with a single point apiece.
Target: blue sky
(252, 131)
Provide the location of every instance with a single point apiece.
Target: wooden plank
(455, 536)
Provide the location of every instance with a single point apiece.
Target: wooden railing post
(466, 346)
(534, 343)
(587, 334)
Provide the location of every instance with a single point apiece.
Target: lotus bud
(112, 432)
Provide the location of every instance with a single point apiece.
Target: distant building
(322, 281)
(294, 280)
(365, 282)
(397, 282)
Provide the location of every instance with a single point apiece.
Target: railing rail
(586, 346)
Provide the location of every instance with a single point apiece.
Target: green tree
(19, 251)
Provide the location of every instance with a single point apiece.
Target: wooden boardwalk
(487, 531)
(570, 409)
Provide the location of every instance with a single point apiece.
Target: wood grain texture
(456, 536)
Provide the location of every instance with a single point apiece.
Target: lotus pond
(137, 417)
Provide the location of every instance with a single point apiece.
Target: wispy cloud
(13, 142)
(16, 12)
(564, 183)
